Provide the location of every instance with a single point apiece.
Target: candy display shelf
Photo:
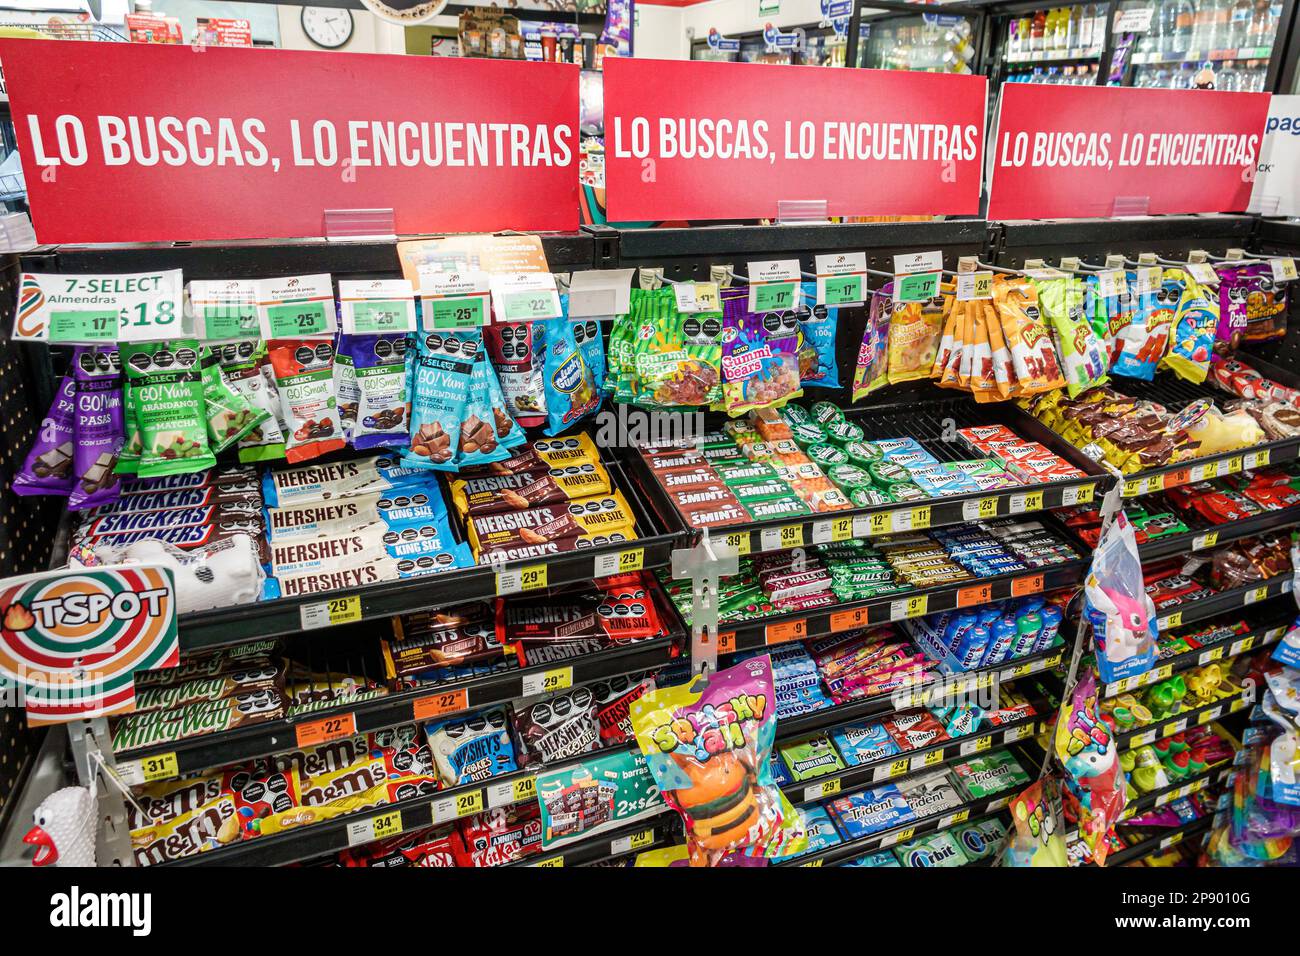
(1158, 798)
(1171, 237)
(1221, 601)
(1162, 838)
(1194, 717)
(1255, 638)
(432, 701)
(934, 425)
(1205, 538)
(643, 835)
(851, 615)
(653, 548)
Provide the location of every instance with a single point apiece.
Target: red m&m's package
(708, 744)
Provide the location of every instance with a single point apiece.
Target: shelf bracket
(704, 566)
(92, 754)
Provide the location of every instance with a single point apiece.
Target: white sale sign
(1277, 178)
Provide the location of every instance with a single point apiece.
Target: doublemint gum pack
(572, 384)
(378, 364)
(247, 370)
(1192, 332)
(165, 383)
(230, 416)
(816, 343)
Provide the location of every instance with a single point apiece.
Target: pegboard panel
(1171, 237)
(26, 524)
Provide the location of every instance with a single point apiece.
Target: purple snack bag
(100, 436)
(48, 467)
(379, 364)
(1235, 288)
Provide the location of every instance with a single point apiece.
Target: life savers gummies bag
(676, 358)
(1192, 332)
(709, 748)
(759, 366)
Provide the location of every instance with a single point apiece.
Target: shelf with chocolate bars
(1211, 603)
(433, 665)
(1195, 646)
(1146, 430)
(645, 835)
(821, 475)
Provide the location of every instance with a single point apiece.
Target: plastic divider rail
(1254, 639)
(1171, 237)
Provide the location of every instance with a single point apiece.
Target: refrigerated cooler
(944, 39)
(1032, 43)
(812, 45)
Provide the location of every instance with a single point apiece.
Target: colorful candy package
(379, 370)
(444, 368)
(1192, 332)
(304, 378)
(873, 354)
(915, 329)
(573, 386)
(515, 349)
(487, 432)
(676, 359)
(1085, 746)
(229, 413)
(347, 395)
(1266, 306)
(246, 368)
(816, 348)
(98, 423)
(1033, 357)
(759, 366)
(166, 385)
(1038, 838)
(47, 469)
(1236, 286)
(709, 747)
(1141, 344)
(1083, 357)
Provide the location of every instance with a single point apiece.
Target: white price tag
(131, 772)
(842, 278)
(1074, 496)
(774, 285)
(1147, 279)
(1283, 269)
(524, 297)
(100, 309)
(684, 295)
(296, 306)
(377, 306)
(600, 293)
(911, 263)
(862, 526)
(1112, 283)
(1203, 273)
(222, 311)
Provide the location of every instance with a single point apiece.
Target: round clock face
(406, 12)
(327, 26)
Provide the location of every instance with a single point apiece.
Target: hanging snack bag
(1083, 358)
(1266, 306)
(759, 365)
(304, 377)
(128, 461)
(915, 329)
(873, 354)
(516, 352)
(166, 385)
(1236, 286)
(1143, 341)
(487, 432)
(98, 424)
(1192, 332)
(246, 369)
(982, 383)
(618, 381)
(346, 394)
(1033, 357)
(709, 747)
(952, 344)
(378, 364)
(1119, 316)
(47, 470)
(816, 348)
(573, 390)
(444, 368)
(677, 359)
(230, 415)
(1004, 385)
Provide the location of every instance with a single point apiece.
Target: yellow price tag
(1123, 684)
(561, 678)
(1034, 501)
(813, 863)
(630, 561)
(553, 861)
(1164, 673)
(1205, 718)
(933, 757)
(1246, 644)
(921, 518)
(707, 298)
(983, 283)
(1256, 595)
(914, 606)
(1132, 488)
(159, 767)
(899, 767)
(1233, 465)
(345, 610)
(881, 522)
(386, 824)
(1085, 494)
(984, 743)
(532, 577)
(1210, 469)
(841, 529)
(832, 786)
(905, 835)
(739, 542)
(1173, 839)
(961, 816)
(988, 507)
(523, 789)
(792, 536)
(1173, 620)
(1020, 670)
(467, 803)
(643, 839)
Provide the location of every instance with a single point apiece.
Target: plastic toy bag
(816, 341)
(873, 354)
(1192, 332)
(1085, 746)
(1037, 837)
(573, 386)
(1122, 614)
(1083, 357)
(915, 331)
(709, 747)
(760, 368)
(47, 469)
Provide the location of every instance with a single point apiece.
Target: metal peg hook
(993, 268)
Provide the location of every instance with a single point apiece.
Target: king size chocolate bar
(340, 479)
(604, 516)
(154, 727)
(493, 494)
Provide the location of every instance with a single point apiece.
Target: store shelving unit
(1254, 639)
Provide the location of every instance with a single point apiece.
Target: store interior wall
(659, 32)
(369, 33)
(730, 17)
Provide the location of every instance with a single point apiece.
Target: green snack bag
(165, 383)
(811, 757)
(1084, 361)
(230, 417)
(128, 459)
(677, 358)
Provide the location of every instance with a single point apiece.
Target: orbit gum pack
(709, 745)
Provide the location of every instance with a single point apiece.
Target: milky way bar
(245, 512)
(181, 498)
(603, 516)
(155, 727)
(200, 689)
(233, 474)
(491, 494)
(239, 657)
(340, 479)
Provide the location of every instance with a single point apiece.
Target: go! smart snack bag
(1192, 332)
(379, 371)
(709, 747)
(165, 384)
(304, 377)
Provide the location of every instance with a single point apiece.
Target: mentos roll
(1030, 626)
(1051, 615)
(970, 649)
(1004, 634)
(957, 626)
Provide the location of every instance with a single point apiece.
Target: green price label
(296, 318)
(229, 321)
(916, 288)
(774, 296)
(378, 317)
(88, 325)
(529, 306)
(460, 312)
(843, 289)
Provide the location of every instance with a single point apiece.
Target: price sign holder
(377, 306)
(774, 286)
(100, 309)
(916, 276)
(454, 300)
(600, 293)
(295, 306)
(842, 279)
(222, 310)
(525, 297)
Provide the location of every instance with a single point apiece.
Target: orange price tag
(326, 729)
(975, 594)
(849, 620)
(1027, 585)
(448, 702)
(786, 631)
(726, 642)
(1173, 479)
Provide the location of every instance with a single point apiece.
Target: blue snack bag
(486, 425)
(573, 388)
(444, 367)
(379, 368)
(816, 350)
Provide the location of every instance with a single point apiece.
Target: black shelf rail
(646, 834)
(1254, 639)
(1164, 839)
(1170, 237)
(1203, 538)
(1222, 601)
(1195, 717)
(892, 608)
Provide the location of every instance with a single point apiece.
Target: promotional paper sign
(1096, 151)
(228, 143)
(1277, 176)
(71, 641)
(701, 140)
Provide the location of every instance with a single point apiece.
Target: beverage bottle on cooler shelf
(1074, 28)
(1263, 25)
(1239, 17)
(1226, 78)
(1037, 31)
(1180, 25)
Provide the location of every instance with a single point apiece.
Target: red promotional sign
(226, 143)
(1086, 151)
(700, 140)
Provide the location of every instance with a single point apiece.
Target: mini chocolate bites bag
(304, 377)
(166, 387)
(487, 426)
(709, 747)
(98, 422)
